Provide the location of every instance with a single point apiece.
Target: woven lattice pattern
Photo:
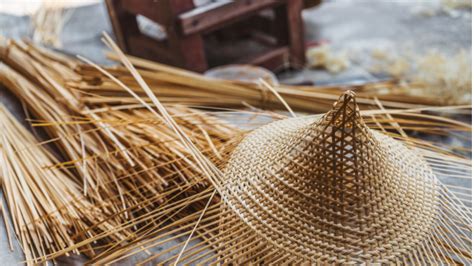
(331, 189)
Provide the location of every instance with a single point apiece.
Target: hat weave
(330, 189)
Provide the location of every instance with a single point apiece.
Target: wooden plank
(218, 14)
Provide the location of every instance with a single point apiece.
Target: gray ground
(353, 26)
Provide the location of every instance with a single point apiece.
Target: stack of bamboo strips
(120, 157)
(173, 85)
(47, 204)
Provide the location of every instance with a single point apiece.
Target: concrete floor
(356, 27)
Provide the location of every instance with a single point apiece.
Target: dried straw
(119, 157)
(47, 205)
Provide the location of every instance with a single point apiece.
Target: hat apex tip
(349, 96)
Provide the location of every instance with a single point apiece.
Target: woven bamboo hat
(330, 189)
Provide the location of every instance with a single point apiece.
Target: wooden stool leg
(190, 50)
(193, 53)
(123, 23)
(280, 27)
(296, 33)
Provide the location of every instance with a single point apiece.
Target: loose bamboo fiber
(332, 190)
(47, 205)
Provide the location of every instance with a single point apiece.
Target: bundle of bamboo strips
(120, 157)
(177, 85)
(73, 124)
(150, 171)
(47, 206)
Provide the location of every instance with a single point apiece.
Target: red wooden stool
(275, 23)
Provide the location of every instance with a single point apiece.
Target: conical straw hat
(331, 189)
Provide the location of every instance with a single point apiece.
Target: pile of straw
(143, 156)
(119, 157)
(47, 204)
